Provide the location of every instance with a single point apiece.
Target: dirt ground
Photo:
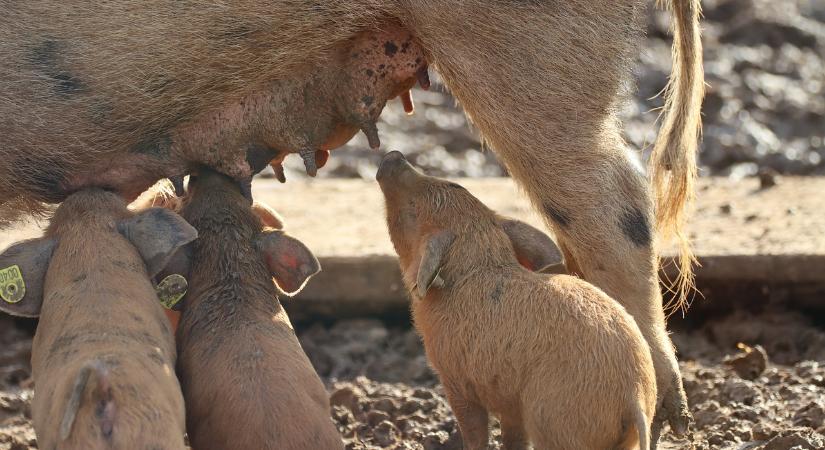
(384, 395)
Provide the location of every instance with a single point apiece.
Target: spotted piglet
(559, 362)
(103, 356)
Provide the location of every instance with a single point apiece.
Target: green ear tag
(171, 289)
(12, 286)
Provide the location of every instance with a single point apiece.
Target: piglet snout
(391, 165)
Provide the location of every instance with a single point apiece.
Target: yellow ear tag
(12, 286)
(171, 289)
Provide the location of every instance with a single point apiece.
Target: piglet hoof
(177, 184)
(371, 131)
(245, 185)
(423, 78)
(278, 168)
(406, 99)
(309, 162)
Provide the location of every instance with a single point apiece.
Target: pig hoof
(309, 162)
(245, 185)
(371, 131)
(406, 99)
(278, 168)
(177, 184)
(423, 78)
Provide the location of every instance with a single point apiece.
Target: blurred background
(764, 108)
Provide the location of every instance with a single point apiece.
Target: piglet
(103, 355)
(246, 380)
(559, 362)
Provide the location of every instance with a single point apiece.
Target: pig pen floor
(384, 395)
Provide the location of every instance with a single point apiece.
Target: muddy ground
(383, 394)
(764, 109)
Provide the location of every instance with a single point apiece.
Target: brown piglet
(561, 364)
(246, 380)
(103, 356)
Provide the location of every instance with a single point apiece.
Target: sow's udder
(314, 111)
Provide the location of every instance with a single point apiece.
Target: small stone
(342, 415)
(435, 440)
(424, 394)
(793, 441)
(750, 363)
(410, 406)
(716, 440)
(763, 431)
(386, 404)
(811, 415)
(347, 397)
(741, 391)
(376, 417)
(806, 369)
(767, 178)
(385, 434)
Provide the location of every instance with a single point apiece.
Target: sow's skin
(122, 133)
(559, 362)
(247, 383)
(103, 356)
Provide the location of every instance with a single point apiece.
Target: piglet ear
(157, 233)
(432, 258)
(23, 269)
(269, 217)
(534, 249)
(289, 261)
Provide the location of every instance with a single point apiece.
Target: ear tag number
(171, 290)
(12, 286)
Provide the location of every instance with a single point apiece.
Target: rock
(767, 177)
(811, 415)
(376, 417)
(411, 406)
(385, 434)
(795, 440)
(386, 404)
(424, 394)
(347, 397)
(750, 363)
(435, 440)
(741, 391)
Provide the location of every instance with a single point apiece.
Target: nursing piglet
(103, 356)
(246, 380)
(561, 364)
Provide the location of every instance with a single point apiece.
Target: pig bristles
(161, 194)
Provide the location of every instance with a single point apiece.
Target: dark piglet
(103, 355)
(246, 380)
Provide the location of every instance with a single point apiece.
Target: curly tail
(673, 162)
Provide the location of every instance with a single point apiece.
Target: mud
(384, 395)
